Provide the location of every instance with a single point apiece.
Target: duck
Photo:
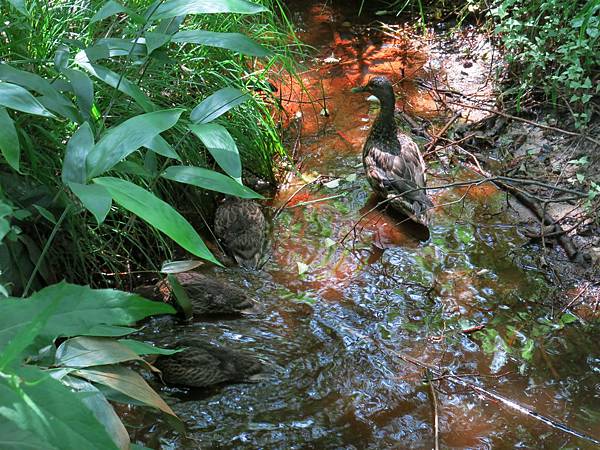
(202, 364)
(241, 228)
(392, 161)
(208, 295)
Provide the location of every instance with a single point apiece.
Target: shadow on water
(336, 316)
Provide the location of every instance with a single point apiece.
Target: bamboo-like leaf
(85, 351)
(183, 300)
(45, 407)
(209, 179)
(236, 42)
(94, 198)
(9, 140)
(78, 148)
(180, 266)
(157, 213)
(217, 104)
(83, 88)
(155, 40)
(127, 382)
(14, 438)
(173, 8)
(15, 97)
(123, 139)
(221, 146)
(158, 145)
(141, 348)
(110, 8)
(20, 6)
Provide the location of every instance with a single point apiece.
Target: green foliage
(553, 45)
(57, 403)
(130, 103)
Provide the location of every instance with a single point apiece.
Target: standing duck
(202, 364)
(241, 228)
(392, 161)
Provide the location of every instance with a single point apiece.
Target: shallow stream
(338, 317)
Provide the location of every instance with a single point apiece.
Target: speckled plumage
(241, 227)
(203, 364)
(392, 161)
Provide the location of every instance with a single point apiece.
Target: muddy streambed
(338, 315)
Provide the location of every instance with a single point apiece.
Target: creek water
(339, 316)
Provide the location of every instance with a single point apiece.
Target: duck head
(380, 87)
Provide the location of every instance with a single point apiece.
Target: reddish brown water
(338, 317)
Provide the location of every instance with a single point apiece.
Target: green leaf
(110, 8)
(155, 40)
(568, 318)
(14, 438)
(302, 268)
(78, 148)
(180, 296)
(180, 266)
(45, 214)
(83, 88)
(9, 140)
(527, 350)
(123, 139)
(157, 213)
(209, 179)
(61, 57)
(50, 98)
(127, 382)
(142, 348)
(217, 104)
(81, 311)
(20, 6)
(42, 405)
(221, 146)
(86, 351)
(91, 397)
(160, 146)
(232, 41)
(116, 81)
(173, 8)
(15, 97)
(94, 198)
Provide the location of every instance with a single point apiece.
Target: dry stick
(530, 122)
(442, 132)
(436, 419)
(581, 292)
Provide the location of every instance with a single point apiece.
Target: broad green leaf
(61, 58)
(173, 8)
(81, 311)
(94, 198)
(44, 406)
(124, 47)
(91, 397)
(180, 266)
(155, 40)
(158, 145)
(83, 88)
(20, 6)
(110, 8)
(9, 140)
(118, 82)
(157, 213)
(133, 168)
(142, 348)
(15, 97)
(183, 300)
(221, 146)
(232, 41)
(125, 138)
(209, 179)
(85, 351)
(45, 214)
(127, 382)
(14, 438)
(51, 98)
(25, 337)
(78, 148)
(217, 104)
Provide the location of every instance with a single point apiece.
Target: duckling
(392, 161)
(241, 227)
(202, 364)
(208, 295)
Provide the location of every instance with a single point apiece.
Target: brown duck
(392, 161)
(241, 228)
(202, 364)
(208, 295)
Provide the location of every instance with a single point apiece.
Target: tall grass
(47, 36)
